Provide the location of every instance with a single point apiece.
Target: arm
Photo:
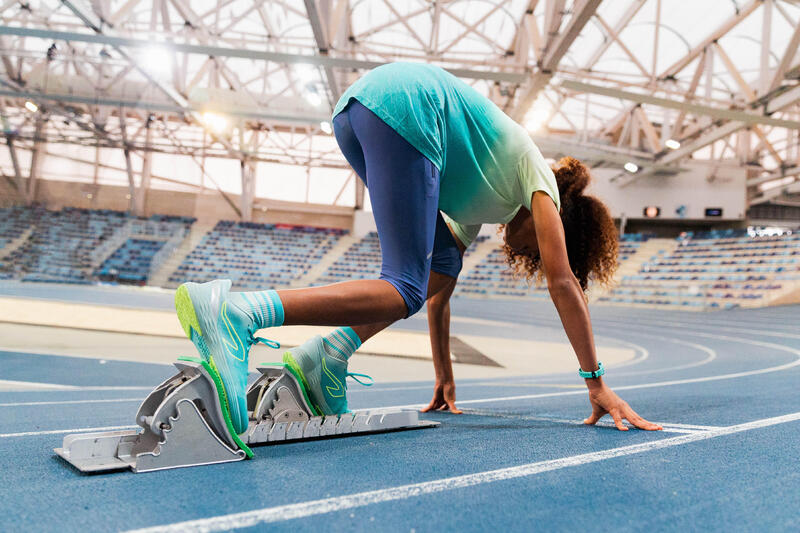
(444, 395)
(568, 298)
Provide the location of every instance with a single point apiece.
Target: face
(520, 234)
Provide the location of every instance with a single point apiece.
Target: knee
(412, 292)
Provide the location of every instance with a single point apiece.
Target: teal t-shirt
(488, 164)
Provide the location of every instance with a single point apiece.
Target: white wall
(700, 186)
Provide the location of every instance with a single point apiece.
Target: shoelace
(272, 344)
(354, 374)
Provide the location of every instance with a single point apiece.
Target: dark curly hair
(589, 230)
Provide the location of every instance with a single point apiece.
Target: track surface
(724, 384)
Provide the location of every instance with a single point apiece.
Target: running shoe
(323, 375)
(222, 331)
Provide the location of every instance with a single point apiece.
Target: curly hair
(589, 230)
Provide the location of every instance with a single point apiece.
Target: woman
(439, 160)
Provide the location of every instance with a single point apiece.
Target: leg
(445, 267)
(403, 188)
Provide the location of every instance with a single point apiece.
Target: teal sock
(265, 307)
(341, 342)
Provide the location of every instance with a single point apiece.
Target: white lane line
(778, 368)
(668, 427)
(34, 385)
(712, 354)
(64, 431)
(685, 326)
(317, 507)
(66, 402)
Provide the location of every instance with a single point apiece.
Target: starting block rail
(183, 423)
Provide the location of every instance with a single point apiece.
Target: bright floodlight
(536, 119)
(672, 144)
(631, 167)
(215, 122)
(325, 127)
(30, 106)
(313, 98)
(305, 73)
(155, 60)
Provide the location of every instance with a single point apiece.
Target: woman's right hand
(444, 398)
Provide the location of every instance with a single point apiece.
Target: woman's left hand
(605, 401)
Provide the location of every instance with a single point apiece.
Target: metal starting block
(280, 412)
(183, 423)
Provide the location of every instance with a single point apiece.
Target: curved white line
(735, 375)
(712, 354)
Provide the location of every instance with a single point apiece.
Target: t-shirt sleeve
(536, 175)
(465, 233)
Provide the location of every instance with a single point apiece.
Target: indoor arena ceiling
(636, 84)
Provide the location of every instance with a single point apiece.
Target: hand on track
(444, 398)
(605, 401)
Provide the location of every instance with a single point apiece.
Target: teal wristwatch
(594, 373)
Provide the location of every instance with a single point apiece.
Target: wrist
(594, 383)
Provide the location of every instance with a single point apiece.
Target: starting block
(183, 422)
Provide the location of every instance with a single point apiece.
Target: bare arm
(439, 327)
(568, 298)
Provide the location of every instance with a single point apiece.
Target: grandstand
(720, 269)
(256, 255)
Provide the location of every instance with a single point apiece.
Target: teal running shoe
(323, 375)
(222, 332)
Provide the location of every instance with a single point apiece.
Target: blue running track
(725, 385)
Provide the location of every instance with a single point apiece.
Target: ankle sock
(341, 342)
(265, 307)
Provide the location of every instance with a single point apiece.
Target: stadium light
(672, 144)
(325, 127)
(305, 73)
(313, 98)
(156, 59)
(30, 106)
(631, 167)
(535, 120)
(214, 122)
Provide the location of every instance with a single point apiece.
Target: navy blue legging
(404, 190)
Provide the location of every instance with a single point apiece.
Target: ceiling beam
(243, 53)
(556, 47)
(715, 36)
(697, 109)
(614, 33)
(161, 106)
(783, 100)
(323, 44)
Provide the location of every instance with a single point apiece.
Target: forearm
(439, 327)
(574, 313)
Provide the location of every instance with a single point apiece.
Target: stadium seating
(67, 245)
(256, 255)
(362, 260)
(492, 277)
(721, 269)
(131, 262)
(62, 244)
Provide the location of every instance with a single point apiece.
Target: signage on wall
(713, 211)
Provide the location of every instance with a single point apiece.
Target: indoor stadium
(383, 265)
